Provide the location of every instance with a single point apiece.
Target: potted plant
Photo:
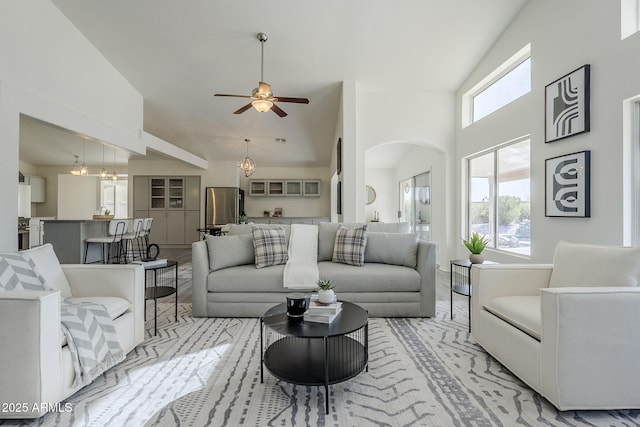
(476, 245)
(325, 291)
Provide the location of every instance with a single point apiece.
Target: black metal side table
(460, 276)
(460, 281)
(315, 354)
(160, 281)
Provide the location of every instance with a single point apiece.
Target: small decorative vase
(476, 258)
(326, 296)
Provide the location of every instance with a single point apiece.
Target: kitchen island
(68, 238)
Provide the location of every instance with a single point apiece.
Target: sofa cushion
(247, 279)
(392, 248)
(350, 245)
(370, 278)
(594, 265)
(48, 265)
(522, 312)
(19, 272)
(327, 234)
(270, 245)
(230, 251)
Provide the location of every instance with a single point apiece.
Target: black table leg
(326, 374)
(176, 292)
(155, 302)
(261, 353)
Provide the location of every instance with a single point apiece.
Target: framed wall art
(339, 157)
(567, 103)
(339, 198)
(568, 185)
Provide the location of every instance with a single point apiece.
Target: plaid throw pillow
(18, 272)
(270, 244)
(350, 245)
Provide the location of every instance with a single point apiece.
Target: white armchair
(570, 330)
(36, 370)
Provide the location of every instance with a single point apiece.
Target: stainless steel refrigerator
(223, 205)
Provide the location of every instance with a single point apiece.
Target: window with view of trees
(499, 203)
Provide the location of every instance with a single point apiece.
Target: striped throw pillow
(270, 245)
(350, 245)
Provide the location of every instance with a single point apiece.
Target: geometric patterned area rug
(422, 372)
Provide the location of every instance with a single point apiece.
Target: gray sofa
(397, 280)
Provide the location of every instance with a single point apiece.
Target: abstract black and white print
(567, 105)
(568, 185)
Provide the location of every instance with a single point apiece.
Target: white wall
(564, 36)
(48, 70)
(78, 196)
(383, 181)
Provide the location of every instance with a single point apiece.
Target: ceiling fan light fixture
(262, 105)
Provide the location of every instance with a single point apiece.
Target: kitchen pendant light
(247, 164)
(114, 176)
(83, 169)
(75, 168)
(103, 171)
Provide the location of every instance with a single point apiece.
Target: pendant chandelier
(247, 164)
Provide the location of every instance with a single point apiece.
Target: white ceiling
(178, 54)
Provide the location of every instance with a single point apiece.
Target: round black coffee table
(310, 353)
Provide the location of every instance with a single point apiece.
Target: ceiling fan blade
(243, 109)
(235, 96)
(278, 110)
(296, 100)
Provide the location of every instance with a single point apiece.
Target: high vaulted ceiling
(178, 54)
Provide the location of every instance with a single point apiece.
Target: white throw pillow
(47, 262)
(594, 265)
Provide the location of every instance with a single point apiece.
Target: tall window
(508, 82)
(629, 17)
(499, 203)
(113, 196)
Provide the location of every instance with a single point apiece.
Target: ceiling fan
(262, 97)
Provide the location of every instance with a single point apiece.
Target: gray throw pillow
(230, 251)
(392, 248)
(18, 272)
(270, 245)
(350, 245)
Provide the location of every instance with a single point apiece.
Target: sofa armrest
(200, 266)
(118, 280)
(590, 347)
(30, 354)
(426, 266)
(489, 281)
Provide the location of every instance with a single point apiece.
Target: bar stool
(146, 230)
(130, 238)
(117, 228)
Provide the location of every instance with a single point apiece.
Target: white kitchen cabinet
(38, 188)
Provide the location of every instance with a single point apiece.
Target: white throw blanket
(301, 270)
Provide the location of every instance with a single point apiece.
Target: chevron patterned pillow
(19, 272)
